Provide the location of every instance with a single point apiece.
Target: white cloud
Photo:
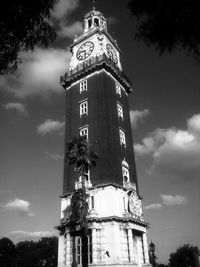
(194, 125)
(60, 14)
(31, 235)
(137, 116)
(22, 206)
(54, 156)
(169, 200)
(50, 126)
(70, 30)
(174, 152)
(147, 147)
(39, 73)
(21, 108)
(63, 8)
(154, 206)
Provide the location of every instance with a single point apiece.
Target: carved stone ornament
(134, 203)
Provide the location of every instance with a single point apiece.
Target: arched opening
(125, 179)
(89, 23)
(96, 22)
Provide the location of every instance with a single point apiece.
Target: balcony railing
(89, 64)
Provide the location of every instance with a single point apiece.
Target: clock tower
(97, 107)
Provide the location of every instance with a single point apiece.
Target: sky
(165, 118)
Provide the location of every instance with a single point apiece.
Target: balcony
(91, 65)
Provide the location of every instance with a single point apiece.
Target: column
(94, 246)
(61, 251)
(117, 243)
(68, 250)
(130, 245)
(139, 250)
(145, 244)
(135, 250)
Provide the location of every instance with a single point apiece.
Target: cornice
(95, 64)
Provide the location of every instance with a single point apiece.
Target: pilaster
(68, 250)
(116, 237)
(139, 251)
(94, 246)
(146, 253)
(61, 251)
(131, 247)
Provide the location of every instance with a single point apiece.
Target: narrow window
(84, 132)
(79, 250)
(120, 111)
(125, 174)
(122, 137)
(83, 108)
(83, 86)
(126, 231)
(92, 202)
(118, 89)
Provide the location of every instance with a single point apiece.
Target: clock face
(111, 53)
(85, 50)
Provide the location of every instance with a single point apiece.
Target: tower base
(116, 237)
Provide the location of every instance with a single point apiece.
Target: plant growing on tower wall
(81, 155)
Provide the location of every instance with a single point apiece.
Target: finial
(93, 4)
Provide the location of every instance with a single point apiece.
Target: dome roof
(93, 13)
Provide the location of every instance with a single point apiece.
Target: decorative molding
(91, 65)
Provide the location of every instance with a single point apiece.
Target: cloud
(39, 73)
(50, 126)
(64, 8)
(21, 108)
(137, 116)
(174, 152)
(23, 235)
(19, 205)
(60, 19)
(40, 70)
(154, 206)
(169, 200)
(54, 156)
(70, 30)
(194, 125)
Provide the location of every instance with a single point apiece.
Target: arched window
(96, 22)
(89, 23)
(125, 174)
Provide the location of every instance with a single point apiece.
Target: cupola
(94, 19)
